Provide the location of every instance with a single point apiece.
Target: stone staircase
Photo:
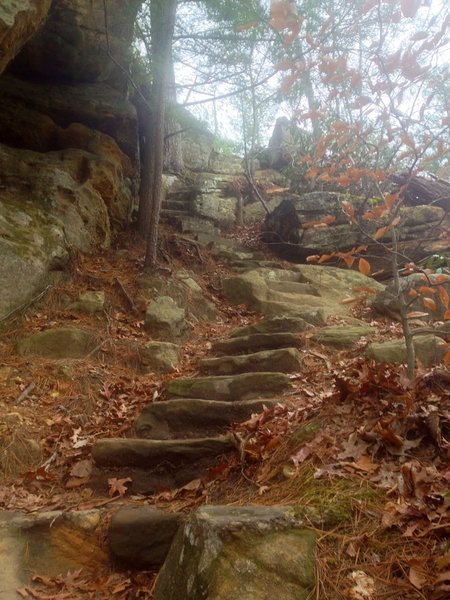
(179, 438)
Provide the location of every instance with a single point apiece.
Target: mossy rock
(229, 388)
(342, 337)
(58, 342)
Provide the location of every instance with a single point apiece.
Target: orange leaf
(447, 315)
(413, 293)
(429, 303)
(379, 234)
(424, 289)
(313, 258)
(364, 266)
(364, 288)
(349, 260)
(325, 257)
(349, 300)
(447, 359)
(443, 295)
(441, 278)
(417, 314)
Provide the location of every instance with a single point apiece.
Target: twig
(256, 191)
(26, 304)
(26, 392)
(127, 296)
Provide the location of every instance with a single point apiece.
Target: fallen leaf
(118, 486)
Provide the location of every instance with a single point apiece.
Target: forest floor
(360, 451)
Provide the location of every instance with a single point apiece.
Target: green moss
(328, 503)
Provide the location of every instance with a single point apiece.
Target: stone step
(273, 325)
(229, 387)
(342, 336)
(283, 360)
(187, 417)
(173, 215)
(255, 341)
(158, 454)
(172, 204)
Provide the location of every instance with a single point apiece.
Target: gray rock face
(250, 553)
(59, 342)
(284, 360)
(140, 536)
(229, 388)
(19, 20)
(165, 320)
(429, 349)
(286, 223)
(161, 357)
(185, 418)
(386, 302)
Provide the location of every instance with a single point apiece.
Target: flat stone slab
(273, 325)
(159, 357)
(255, 341)
(58, 342)
(342, 337)
(187, 417)
(140, 536)
(430, 350)
(149, 454)
(283, 360)
(48, 543)
(229, 387)
(249, 552)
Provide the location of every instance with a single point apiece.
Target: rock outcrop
(68, 136)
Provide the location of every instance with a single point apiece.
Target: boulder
(386, 301)
(254, 341)
(213, 200)
(164, 319)
(184, 290)
(273, 325)
(90, 302)
(342, 336)
(189, 417)
(285, 232)
(19, 20)
(430, 350)
(58, 342)
(140, 536)
(158, 454)
(160, 357)
(307, 291)
(283, 360)
(248, 552)
(229, 387)
(72, 45)
(51, 116)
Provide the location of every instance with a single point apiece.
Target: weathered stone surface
(181, 287)
(51, 116)
(386, 301)
(229, 387)
(215, 206)
(164, 319)
(429, 350)
(283, 360)
(286, 221)
(271, 291)
(184, 418)
(342, 336)
(19, 20)
(59, 342)
(49, 543)
(255, 341)
(151, 454)
(162, 357)
(140, 536)
(273, 325)
(250, 553)
(90, 302)
(72, 45)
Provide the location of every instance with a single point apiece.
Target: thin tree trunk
(173, 158)
(162, 22)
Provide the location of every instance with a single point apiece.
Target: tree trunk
(162, 23)
(173, 158)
